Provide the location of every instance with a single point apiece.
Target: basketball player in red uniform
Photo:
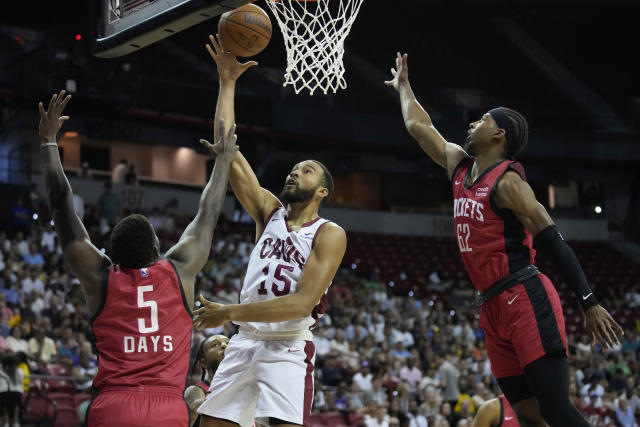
(210, 354)
(495, 216)
(139, 304)
(495, 413)
(268, 367)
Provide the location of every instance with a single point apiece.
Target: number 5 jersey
(274, 270)
(143, 329)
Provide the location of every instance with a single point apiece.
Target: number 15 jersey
(492, 241)
(143, 330)
(274, 270)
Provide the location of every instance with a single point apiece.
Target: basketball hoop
(314, 35)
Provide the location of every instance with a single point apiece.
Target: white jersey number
(154, 310)
(277, 277)
(463, 232)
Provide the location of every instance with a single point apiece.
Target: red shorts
(521, 325)
(140, 407)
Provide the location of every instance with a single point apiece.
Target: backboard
(124, 26)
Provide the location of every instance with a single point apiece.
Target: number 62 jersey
(274, 270)
(143, 329)
(492, 241)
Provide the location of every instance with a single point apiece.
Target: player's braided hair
(133, 242)
(199, 356)
(520, 128)
(327, 180)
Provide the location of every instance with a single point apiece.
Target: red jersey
(507, 415)
(143, 330)
(492, 241)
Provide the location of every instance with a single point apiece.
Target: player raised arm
(418, 122)
(514, 194)
(191, 252)
(319, 271)
(256, 200)
(85, 260)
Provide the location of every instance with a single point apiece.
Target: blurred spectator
(131, 177)
(33, 258)
(109, 207)
(15, 342)
(48, 240)
(323, 345)
(363, 377)
(449, 378)
(42, 348)
(624, 414)
(378, 394)
(11, 388)
(84, 171)
(380, 418)
(119, 171)
(32, 283)
(20, 216)
(78, 205)
(411, 373)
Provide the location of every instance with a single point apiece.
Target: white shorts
(259, 379)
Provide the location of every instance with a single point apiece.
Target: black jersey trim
(518, 255)
(501, 412)
(482, 175)
(104, 285)
(455, 170)
(182, 294)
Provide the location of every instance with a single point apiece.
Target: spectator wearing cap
(364, 377)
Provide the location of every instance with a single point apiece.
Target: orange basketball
(245, 31)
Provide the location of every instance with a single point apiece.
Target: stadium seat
(39, 408)
(66, 409)
(60, 370)
(332, 418)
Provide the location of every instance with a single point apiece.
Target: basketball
(245, 31)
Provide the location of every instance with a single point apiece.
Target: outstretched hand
(400, 73)
(225, 145)
(50, 120)
(228, 66)
(210, 315)
(602, 328)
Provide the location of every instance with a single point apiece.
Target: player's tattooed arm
(84, 259)
(316, 277)
(419, 123)
(191, 252)
(194, 396)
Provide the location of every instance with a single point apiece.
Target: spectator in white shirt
(363, 377)
(381, 418)
(33, 283)
(322, 344)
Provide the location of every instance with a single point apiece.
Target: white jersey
(274, 270)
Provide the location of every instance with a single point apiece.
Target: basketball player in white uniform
(267, 371)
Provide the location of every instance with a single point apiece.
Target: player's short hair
(133, 242)
(327, 180)
(516, 128)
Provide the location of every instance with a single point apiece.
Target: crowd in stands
(381, 359)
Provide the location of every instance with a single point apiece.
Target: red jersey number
(277, 275)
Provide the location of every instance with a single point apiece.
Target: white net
(314, 33)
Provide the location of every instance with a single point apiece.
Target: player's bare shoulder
(331, 241)
(454, 155)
